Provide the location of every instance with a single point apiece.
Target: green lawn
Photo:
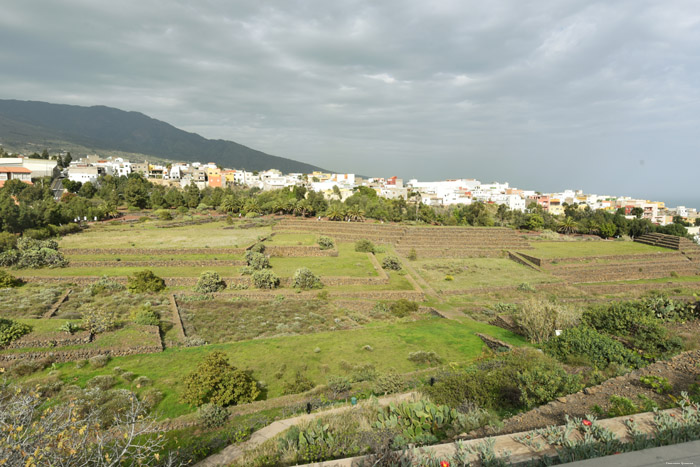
(348, 263)
(477, 272)
(549, 250)
(146, 235)
(391, 344)
(155, 257)
(47, 327)
(286, 239)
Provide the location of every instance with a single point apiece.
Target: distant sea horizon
(689, 202)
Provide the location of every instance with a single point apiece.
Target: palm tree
(228, 205)
(567, 226)
(356, 214)
(335, 213)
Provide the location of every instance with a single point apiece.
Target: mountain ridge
(108, 128)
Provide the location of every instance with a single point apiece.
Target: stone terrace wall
(152, 251)
(153, 264)
(298, 251)
(58, 340)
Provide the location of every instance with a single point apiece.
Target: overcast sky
(598, 95)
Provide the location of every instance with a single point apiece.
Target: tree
(145, 281)
(305, 279)
(210, 282)
(136, 191)
(697, 221)
(88, 190)
(192, 196)
(335, 213)
(567, 226)
(217, 382)
(637, 212)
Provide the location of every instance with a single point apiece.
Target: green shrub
(305, 279)
(210, 282)
(212, 416)
(151, 398)
(423, 357)
(391, 262)
(164, 214)
(143, 381)
(145, 281)
(101, 382)
(325, 243)
(8, 241)
(337, 385)
(616, 318)
(597, 348)
(521, 379)
(257, 261)
(659, 384)
(412, 256)
(257, 248)
(621, 406)
(538, 319)
(98, 361)
(526, 287)
(11, 330)
(266, 279)
(300, 383)
(501, 307)
(449, 278)
(145, 315)
(128, 376)
(33, 254)
(105, 284)
(389, 383)
(402, 307)
(7, 280)
(97, 320)
(364, 246)
(218, 382)
(69, 327)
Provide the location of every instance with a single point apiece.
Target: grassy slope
(391, 343)
(477, 272)
(590, 248)
(147, 235)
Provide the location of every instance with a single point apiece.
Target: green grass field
(348, 263)
(391, 343)
(477, 272)
(155, 257)
(286, 239)
(148, 235)
(549, 250)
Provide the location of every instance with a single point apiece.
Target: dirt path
(229, 454)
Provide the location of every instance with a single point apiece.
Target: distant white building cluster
(335, 186)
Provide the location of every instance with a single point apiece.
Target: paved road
(678, 454)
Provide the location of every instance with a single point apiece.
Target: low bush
(11, 330)
(164, 214)
(659, 384)
(599, 349)
(266, 279)
(8, 241)
(7, 280)
(423, 357)
(412, 256)
(105, 284)
(210, 282)
(539, 318)
(300, 383)
(364, 246)
(304, 279)
(128, 376)
(517, 380)
(402, 308)
(97, 320)
(101, 382)
(212, 416)
(338, 385)
(145, 315)
(392, 263)
(325, 243)
(98, 361)
(143, 381)
(258, 248)
(69, 327)
(151, 398)
(218, 382)
(257, 261)
(526, 287)
(145, 281)
(389, 383)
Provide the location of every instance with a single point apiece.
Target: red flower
(587, 422)
(444, 464)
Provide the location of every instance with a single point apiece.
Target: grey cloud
(545, 94)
